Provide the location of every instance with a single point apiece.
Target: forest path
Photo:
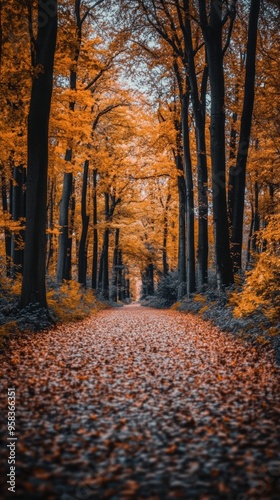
(138, 403)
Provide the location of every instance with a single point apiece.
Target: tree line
(144, 144)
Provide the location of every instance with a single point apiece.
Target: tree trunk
(250, 239)
(165, 235)
(189, 194)
(63, 242)
(121, 279)
(115, 268)
(239, 178)
(150, 279)
(18, 213)
(50, 251)
(182, 271)
(105, 254)
(34, 269)
(82, 265)
(213, 39)
(95, 233)
(7, 234)
(256, 225)
(67, 206)
(198, 105)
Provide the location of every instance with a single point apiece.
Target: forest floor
(140, 403)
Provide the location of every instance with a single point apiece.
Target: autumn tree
(33, 285)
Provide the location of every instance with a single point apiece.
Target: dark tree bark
(249, 243)
(127, 289)
(104, 258)
(18, 213)
(187, 163)
(182, 270)
(82, 263)
(121, 278)
(198, 105)
(212, 33)
(256, 219)
(165, 235)
(149, 275)
(95, 233)
(50, 250)
(7, 233)
(65, 238)
(115, 266)
(103, 280)
(238, 177)
(63, 246)
(33, 285)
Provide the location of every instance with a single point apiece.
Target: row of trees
(143, 112)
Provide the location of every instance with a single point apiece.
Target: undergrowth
(67, 303)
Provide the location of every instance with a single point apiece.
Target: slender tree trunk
(165, 235)
(63, 245)
(82, 265)
(115, 268)
(95, 233)
(121, 291)
(256, 225)
(232, 158)
(18, 213)
(50, 251)
(33, 285)
(250, 238)
(7, 234)
(189, 193)
(182, 271)
(150, 279)
(213, 39)
(198, 104)
(72, 208)
(239, 178)
(105, 252)
(67, 206)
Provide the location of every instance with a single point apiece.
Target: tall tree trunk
(18, 213)
(182, 271)
(95, 233)
(232, 160)
(50, 251)
(34, 269)
(256, 225)
(238, 178)
(150, 279)
(105, 253)
(121, 278)
(165, 235)
(72, 207)
(82, 265)
(212, 33)
(67, 206)
(198, 105)
(189, 194)
(7, 234)
(115, 266)
(63, 245)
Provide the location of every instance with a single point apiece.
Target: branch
(89, 10)
(155, 23)
(105, 111)
(231, 14)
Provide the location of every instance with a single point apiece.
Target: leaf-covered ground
(138, 403)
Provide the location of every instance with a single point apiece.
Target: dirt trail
(137, 403)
